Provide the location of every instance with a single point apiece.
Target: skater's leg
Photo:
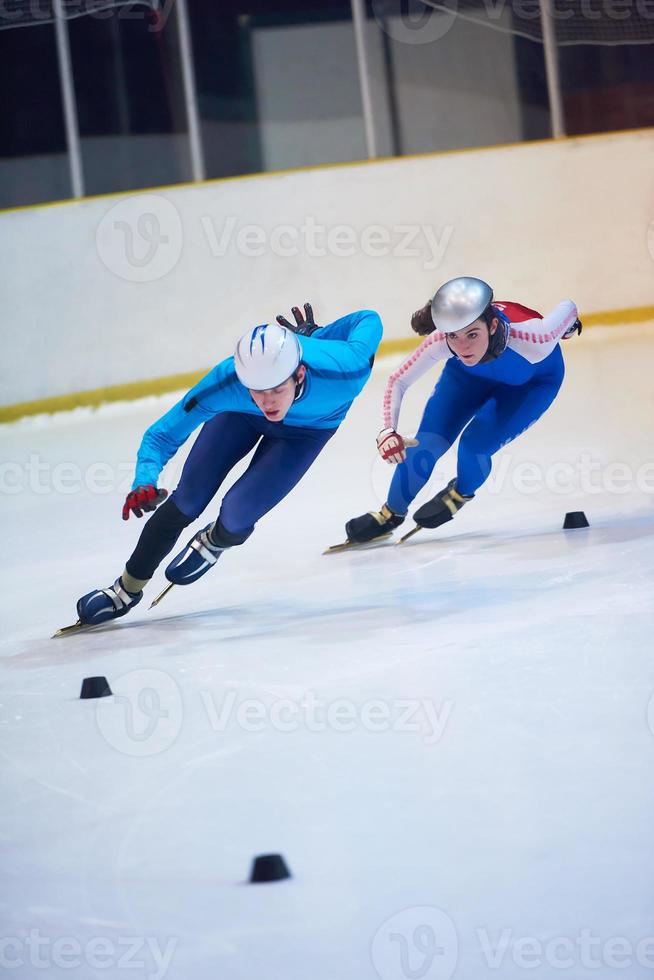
(277, 466)
(453, 403)
(157, 538)
(507, 413)
(282, 458)
(455, 399)
(504, 417)
(222, 442)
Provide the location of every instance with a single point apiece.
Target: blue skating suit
(338, 359)
(488, 404)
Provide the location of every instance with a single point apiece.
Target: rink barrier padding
(88, 304)
(134, 390)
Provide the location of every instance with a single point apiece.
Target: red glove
(142, 498)
(392, 446)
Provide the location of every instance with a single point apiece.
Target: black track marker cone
(269, 867)
(575, 518)
(95, 687)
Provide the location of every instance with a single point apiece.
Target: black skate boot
(374, 524)
(101, 605)
(201, 553)
(442, 507)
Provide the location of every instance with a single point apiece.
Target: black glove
(304, 327)
(575, 328)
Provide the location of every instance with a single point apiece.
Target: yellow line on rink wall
(100, 396)
(178, 382)
(618, 318)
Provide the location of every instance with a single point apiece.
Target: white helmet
(267, 356)
(460, 302)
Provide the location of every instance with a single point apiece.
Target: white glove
(392, 446)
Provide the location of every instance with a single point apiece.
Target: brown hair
(490, 314)
(422, 322)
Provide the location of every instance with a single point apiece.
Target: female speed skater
(504, 369)
(287, 388)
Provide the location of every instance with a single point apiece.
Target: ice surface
(468, 717)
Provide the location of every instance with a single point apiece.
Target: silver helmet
(460, 302)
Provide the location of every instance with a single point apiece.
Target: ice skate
(200, 554)
(442, 507)
(101, 606)
(368, 529)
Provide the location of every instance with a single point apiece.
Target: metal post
(69, 104)
(552, 69)
(359, 21)
(190, 92)
(122, 100)
(391, 88)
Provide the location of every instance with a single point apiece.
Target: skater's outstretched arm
(434, 348)
(345, 349)
(536, 339)
(219, 391)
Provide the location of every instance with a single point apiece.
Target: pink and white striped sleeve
(433, 348)
(536, 339)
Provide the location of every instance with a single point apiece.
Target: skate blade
(409, 534)
(65, 630)
(359, 545)
(157, 600)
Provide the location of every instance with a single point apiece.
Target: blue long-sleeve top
(338, 359)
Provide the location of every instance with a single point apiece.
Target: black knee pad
(169, 516)
(223, 538)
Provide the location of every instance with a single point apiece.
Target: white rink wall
(133, 287)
